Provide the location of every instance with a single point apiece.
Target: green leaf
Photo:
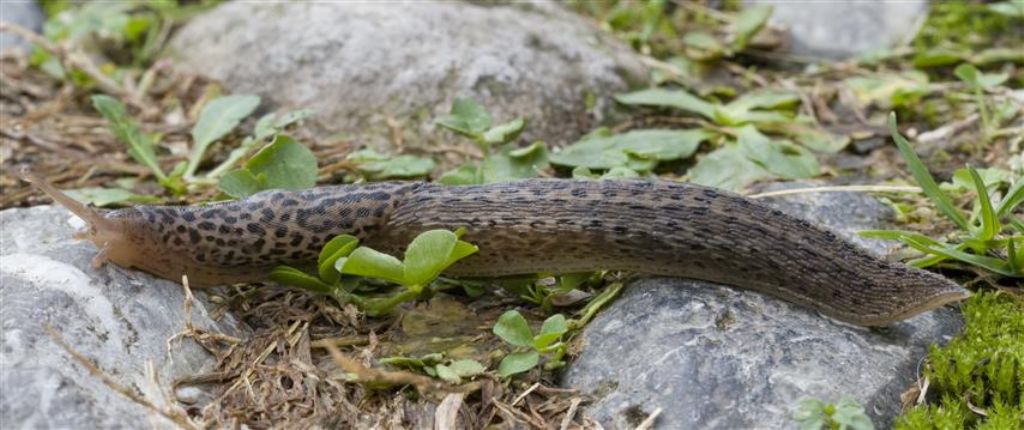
(108, 196)
(140, 147)
(678, 99)
(975, 79)
(765, 99)
(467, 117)
(462, 250)
(380, 166)
(748, 23)
(217, 119)
(518, 362)
(512, 163)
(467, 368)
(505, 133)
(924, 178)
(638, 150)
(949, 251)
(284, 164)
(447, 374)
(239, 184)
(989, 221)
(810, 414)
(851, 416)
(886, 89)
(369, 263)
(727, 168)
(552, 329)
(781, 158)
(426, 256)
(938, 57)
(513, 329)
(295, 277)
(465, 174)
(338, 247)
(272, 123)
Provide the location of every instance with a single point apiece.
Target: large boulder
(716, 357)
(363, 65)
(118, 318)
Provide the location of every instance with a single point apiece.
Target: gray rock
(840, 29)
(118, 318)
(359, 64)
(716, 357)
(25, 13)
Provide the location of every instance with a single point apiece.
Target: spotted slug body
(532, 226)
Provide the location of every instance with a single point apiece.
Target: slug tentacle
(94, 219)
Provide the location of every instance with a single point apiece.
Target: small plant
(470, 119)
(437, 366)
(978, 82)
(514, 330)
(813, 414)
(744, 152)
(990, 236)
(283, 163)
(425, 258)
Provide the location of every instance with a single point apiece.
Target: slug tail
(91, 217)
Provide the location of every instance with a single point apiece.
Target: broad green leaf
(748, 23)
(370, 263)
(217, 119)
(465, 174)
(402, 166)
(239, 184)
(703, 46)
(504, 133)
(851, 416)
(939, 57)
(338, 247)
(518, 362)
(678, 99)
(976, 79)
(467, 368)
(781, 158)
(766, 99)
(140, 147)
(273, 123)
(619, 172)
(963, 181)
(461, 250)
(467, 117)
(727, 168)
(924, 178)
(810, 414)
(108, 196)
(638, 150)
(447, 374)
(552, 329)
(426, 256)
(515, 163)
(989, 221)
(295, 277)
(807, 135)
(513, 328)
(284, 164)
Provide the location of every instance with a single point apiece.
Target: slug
(527, 227)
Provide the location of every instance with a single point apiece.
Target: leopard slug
(527, 227)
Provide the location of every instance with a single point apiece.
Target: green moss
(983, 369)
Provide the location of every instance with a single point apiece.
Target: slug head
(109, 231)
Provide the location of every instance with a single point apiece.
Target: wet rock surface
(840, 29)
(373, 70)
(711, 356)
(120, 319)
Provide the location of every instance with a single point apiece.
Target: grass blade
(989, 221)
(1014, 197)
(924, 178)
(993, 264)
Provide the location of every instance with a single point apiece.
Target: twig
(525, 393)
(648, 423)
(841, 189)
(571, 413)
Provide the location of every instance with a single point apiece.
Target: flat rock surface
(371, 70)
(839, 29)
(716, 357)
(119, 319)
